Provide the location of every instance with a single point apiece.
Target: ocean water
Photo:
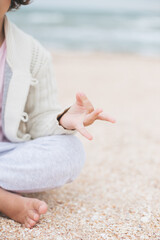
(122, 26)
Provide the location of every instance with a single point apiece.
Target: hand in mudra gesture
(82, 114)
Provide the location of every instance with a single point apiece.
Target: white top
(31, 108)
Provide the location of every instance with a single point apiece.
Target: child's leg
(37, 165)
(41, 164)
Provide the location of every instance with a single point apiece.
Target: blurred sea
(123, 26)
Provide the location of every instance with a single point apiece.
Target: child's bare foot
(21, 209)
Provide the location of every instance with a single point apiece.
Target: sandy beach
(117, 194)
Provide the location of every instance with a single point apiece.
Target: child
(38, 148)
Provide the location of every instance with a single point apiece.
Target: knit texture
(42, 104)
(32, 89)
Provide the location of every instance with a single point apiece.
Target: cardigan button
(34, 81)
(26, 136)
(24, 117)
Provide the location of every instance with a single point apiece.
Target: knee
(76, 156)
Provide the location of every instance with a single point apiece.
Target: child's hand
(82, 114)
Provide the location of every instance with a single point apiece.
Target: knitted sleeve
(44, 110)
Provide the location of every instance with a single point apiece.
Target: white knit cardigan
(31, 108)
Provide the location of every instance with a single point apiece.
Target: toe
(43, 208)
(33, 215)
(30, 222)
(27, 225)
(40, 206)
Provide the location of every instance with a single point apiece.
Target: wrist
(60, 119)
(60, 115)
(63, 121)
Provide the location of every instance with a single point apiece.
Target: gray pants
(40, 164)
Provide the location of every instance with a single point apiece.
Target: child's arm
(46, 117)
(43, 108)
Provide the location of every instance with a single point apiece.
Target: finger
(90, 118)
(79, 99)
(82, 130)
(104, 116)
(82, 100)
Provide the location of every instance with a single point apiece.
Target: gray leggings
(40, 164)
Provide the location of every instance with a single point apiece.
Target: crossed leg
(34, 166)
